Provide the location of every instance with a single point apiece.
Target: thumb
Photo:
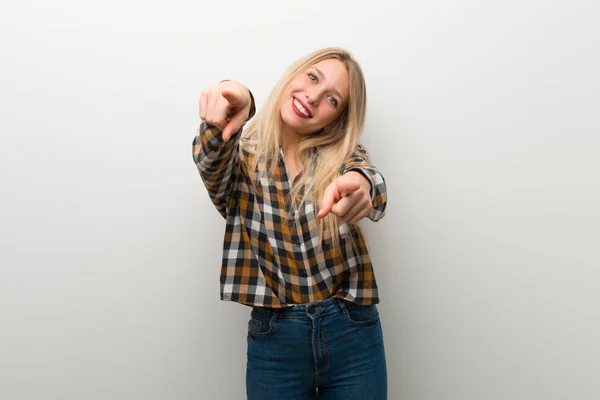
(327, 201)
(346, 186)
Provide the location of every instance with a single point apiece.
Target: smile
(300, 109)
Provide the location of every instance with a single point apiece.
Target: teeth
(302, 109)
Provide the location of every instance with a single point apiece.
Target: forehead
(335, 75)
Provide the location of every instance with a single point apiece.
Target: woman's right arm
(224, 109)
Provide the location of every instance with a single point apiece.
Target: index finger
(326, 202)
(234, 98)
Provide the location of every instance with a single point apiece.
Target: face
(316, 97)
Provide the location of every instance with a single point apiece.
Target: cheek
(284, 98)
(295, 86)
(285, 101)
(330, 114)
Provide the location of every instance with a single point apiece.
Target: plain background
(483, 116)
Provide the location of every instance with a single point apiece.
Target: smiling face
(316, 97)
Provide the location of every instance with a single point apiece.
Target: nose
(312, 98)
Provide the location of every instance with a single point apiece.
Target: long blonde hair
(335, 144)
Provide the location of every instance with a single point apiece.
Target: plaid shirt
(272, 254)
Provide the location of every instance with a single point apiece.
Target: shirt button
(298, 244)
(303, 273)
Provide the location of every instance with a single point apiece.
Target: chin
(300, 127)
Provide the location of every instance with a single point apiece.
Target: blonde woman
(292, 187)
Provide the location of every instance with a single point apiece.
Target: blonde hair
(336, 143)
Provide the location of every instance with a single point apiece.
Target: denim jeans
(330, 349)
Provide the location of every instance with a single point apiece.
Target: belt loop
(274, 316)
(342, 306)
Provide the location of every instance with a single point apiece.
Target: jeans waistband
(321, 307)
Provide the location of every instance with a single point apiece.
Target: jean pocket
(261, 323)
(361, 315)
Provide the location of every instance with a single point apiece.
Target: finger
(344, 205)
(218, 108)
(355, 213)
(363, 207)
(239, 109)
(221, 111)
(233, 97)
(365, 212)
(202, 106)
(234, 125)
(327, 201)
(211, 101)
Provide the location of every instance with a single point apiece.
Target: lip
(298, 111)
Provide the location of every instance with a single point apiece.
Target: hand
(226, 106)
(348, 197)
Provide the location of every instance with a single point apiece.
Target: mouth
(300, 108)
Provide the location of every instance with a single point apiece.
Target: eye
(313, 77)
(332, 101)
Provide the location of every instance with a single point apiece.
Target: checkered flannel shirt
(273, 255)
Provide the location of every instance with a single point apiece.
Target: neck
(289, 141)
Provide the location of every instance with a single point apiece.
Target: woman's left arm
(359, 192)
(361, 162)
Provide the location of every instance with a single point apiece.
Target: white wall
(483, 116)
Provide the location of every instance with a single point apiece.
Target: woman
(292, 187)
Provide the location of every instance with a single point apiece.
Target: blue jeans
(330, 349)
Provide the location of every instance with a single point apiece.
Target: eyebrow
(334, 89)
